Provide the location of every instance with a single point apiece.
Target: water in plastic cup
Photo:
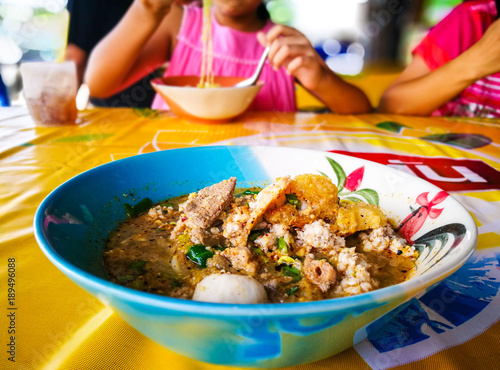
(50, 91)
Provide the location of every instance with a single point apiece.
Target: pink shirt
(236, 54)
(457, 32)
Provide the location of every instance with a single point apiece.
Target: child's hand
(161, 7)
(292, 50)
(486, 52)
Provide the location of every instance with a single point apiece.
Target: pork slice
(204, 208)
(209, 237)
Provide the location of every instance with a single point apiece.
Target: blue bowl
(73, 222)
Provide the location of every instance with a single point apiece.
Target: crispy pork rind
(268, 198)
(319, 272)
(237, 226)
(285, 214)
(359, 216)
(317, 197)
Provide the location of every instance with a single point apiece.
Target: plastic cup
(50, 92)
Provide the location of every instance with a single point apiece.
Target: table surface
(53, 324)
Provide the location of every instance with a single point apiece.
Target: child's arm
(291, 49)
(138, 44)
(420, 91)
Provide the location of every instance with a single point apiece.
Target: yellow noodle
(206, 7)
(207, 73)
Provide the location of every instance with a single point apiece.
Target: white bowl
(214, 104)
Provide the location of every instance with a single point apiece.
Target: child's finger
(283, 44)
(279, 31)
(290, 51)
(274, 43)
(274, 49)
(303, 61)
(295, 64)
(261, 38)
(287, 52)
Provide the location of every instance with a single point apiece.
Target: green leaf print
(392, 126)
(82, 138)
(146, 112)
(370, 195)
(339, 172)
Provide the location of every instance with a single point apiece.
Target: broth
(294, 238)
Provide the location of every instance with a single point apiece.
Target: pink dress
(236, 54)
(457, 32)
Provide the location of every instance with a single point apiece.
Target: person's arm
(420, 91)
(292, 50)
(79, 57)
(139, 43)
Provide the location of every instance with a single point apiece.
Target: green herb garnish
(247, 192)
(126, 278)
(137, 284)
(282, 246)
(292, 290)
(199, 254)
(257, 251)
(167, 204)
(293, 200)
(176, 283)
(292, 272)
(141, 207)
(254, 235)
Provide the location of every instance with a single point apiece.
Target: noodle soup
(292, 241)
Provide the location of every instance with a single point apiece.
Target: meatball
(230, 288)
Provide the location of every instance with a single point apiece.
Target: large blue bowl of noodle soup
(73, 222)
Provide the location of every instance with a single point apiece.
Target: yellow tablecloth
(47, 322)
